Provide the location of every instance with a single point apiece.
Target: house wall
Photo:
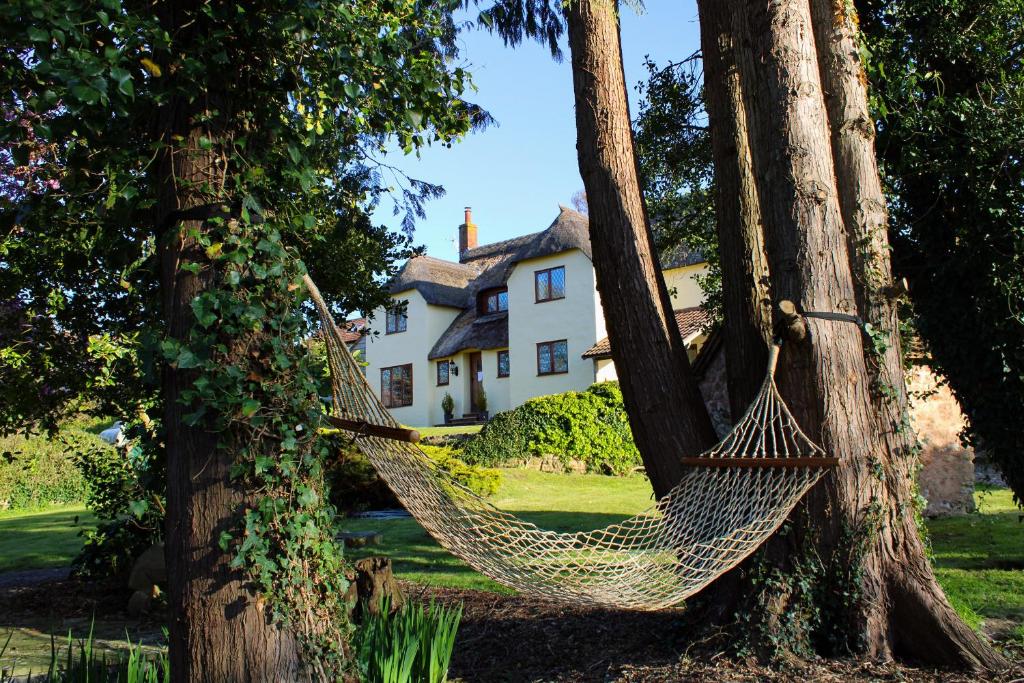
(683, 287)
(425, 324)
(576, 318)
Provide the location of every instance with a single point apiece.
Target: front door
(476, 380)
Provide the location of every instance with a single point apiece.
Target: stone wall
(947, 473)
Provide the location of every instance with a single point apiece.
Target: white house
(511, 320)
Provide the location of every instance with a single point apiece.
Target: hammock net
(711, 520)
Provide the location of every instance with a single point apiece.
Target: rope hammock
(733, 497)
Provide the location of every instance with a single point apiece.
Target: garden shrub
(125, 491)
(590, 426)
(354, 484)
(40, 470)
(481, 481)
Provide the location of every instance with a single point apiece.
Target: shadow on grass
(39, 540)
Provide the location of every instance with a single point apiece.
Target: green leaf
(38, 35)
(139, 507)
(249, 407)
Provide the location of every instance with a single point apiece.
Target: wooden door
(476, 377)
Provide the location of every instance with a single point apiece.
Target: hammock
(733, 497)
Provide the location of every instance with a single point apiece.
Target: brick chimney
(467, 234)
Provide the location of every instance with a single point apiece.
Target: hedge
(589, 426)
(38, 471)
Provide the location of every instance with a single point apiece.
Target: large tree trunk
(859, 521)
(666, 410)
(923, 621)
(219, 630)
(745, 294)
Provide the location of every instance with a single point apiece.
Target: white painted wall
(576, 318)
(682, 285)
(425, 325)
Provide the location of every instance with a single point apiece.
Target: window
(552, 357)
(396, 386)
(503, 363)
(396, 322)
(494, 300)
(442, 372)
(549, 284)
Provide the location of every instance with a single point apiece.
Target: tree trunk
(858, 523)
(219, 630)
(666, 410)
(747, 328)
(923, 622)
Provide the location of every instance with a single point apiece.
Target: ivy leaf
(139, 508)
(186, 359)
(249, 407)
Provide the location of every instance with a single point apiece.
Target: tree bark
(219, 631)
(666, 410)
(747, 328)
(923, 622)
(858, 521)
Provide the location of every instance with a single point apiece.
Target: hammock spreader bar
(364, 428)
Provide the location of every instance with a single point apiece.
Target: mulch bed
(511, 639)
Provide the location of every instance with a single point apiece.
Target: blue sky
(515, 174)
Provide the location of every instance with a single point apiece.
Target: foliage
(591, 426)
(126, 485)
(83, 662)
(353, 484)
(39, 470)
(947, 83)
(481, 481)
(293, 104)
(412, 644)
(448, 404)
(673, 147)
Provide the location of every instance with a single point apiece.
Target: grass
(979, 560)
(43, 538)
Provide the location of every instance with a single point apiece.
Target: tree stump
(373, 582)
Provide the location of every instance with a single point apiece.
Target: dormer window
(395, 322)
(549, 284)
(494, 300)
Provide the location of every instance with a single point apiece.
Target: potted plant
(481, 404)
(448, 406)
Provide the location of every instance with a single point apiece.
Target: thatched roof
(689, 320)
(440, 282)
(470, 331)
(681, 256)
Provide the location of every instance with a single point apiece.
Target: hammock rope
(732, 498)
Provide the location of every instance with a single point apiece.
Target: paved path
(30, 577)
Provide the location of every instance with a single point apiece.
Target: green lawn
(979, 560)
(46, 538)
(448, 431)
